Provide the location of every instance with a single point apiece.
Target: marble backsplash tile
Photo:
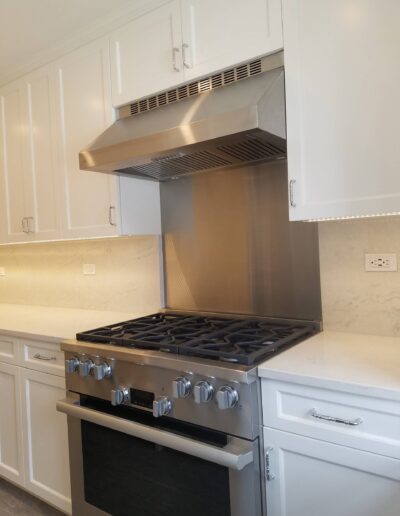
(50, 274)
(352, 299)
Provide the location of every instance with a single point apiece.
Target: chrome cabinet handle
(111, 211)
(23, 223)
(185, 46)
(38, 356)
(28, 224)
(291, 192)
(175, 67)
(349, 422)
(268, 474)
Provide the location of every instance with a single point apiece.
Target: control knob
(118, 396)
(102, 370)
(203, 392)
(162, 406)
(71, 365)
(181, 387)
(227, 397)
(85, 367)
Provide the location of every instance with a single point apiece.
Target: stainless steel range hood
(240, 118)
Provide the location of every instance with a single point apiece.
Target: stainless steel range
(164, 413)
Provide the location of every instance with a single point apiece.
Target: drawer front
(9, 349)
(43, 356)
(365, 423)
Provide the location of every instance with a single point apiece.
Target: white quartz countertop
(363, 364)
(54, 324)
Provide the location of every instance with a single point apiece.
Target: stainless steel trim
(175, 67)
(350, 422)
(268, 474)
(111, 213)
(38, 356)
(292, 182)
(185, 47)
(236, 455)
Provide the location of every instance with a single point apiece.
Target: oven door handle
(235, 455)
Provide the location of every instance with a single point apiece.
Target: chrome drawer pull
(350, 422)
(43, 357)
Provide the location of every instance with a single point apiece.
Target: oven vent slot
(195, 88)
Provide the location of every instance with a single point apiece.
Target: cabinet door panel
(221, 33)
(11, 461)
(45, 439)
(12, 164)
(41, 183)
(142, 54)
(84, 106)
(314, 477)
(343, 111)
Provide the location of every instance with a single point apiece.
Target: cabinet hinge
(268, 474)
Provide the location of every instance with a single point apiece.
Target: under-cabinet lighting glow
(349, 217)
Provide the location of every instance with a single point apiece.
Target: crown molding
(99, 28)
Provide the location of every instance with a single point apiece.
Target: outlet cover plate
(381, 262)
(89, 269)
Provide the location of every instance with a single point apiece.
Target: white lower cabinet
(11, 456)
(33, 435)
(317, 478)
(330, 452)
(45, 438)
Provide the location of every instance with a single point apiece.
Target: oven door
(124, 462)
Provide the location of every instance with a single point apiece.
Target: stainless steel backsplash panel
(229, 247)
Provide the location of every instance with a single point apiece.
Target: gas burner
(229, 339)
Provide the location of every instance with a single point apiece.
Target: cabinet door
(315, 477)
(13, 153)
(343, 112)
(146, 54)
(45, 438)
(11, 457)
(84, 111)
(41, 185)
(221, 33)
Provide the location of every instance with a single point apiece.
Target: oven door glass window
(127, 476)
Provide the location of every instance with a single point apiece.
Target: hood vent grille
(246, 150)
(189, 90)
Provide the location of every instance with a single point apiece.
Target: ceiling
(30, 28)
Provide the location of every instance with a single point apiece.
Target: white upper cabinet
(42, 197)
(28, 171)
(220, 33)
(84, 111)
(146, 54)
(13, 143)
(343, 111)
(185, 39)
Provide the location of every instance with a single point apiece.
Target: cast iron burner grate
(244, 341)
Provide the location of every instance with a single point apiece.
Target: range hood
(229, 119)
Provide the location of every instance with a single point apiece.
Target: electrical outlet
(2, 271)
(384, 262)
(89, 269)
